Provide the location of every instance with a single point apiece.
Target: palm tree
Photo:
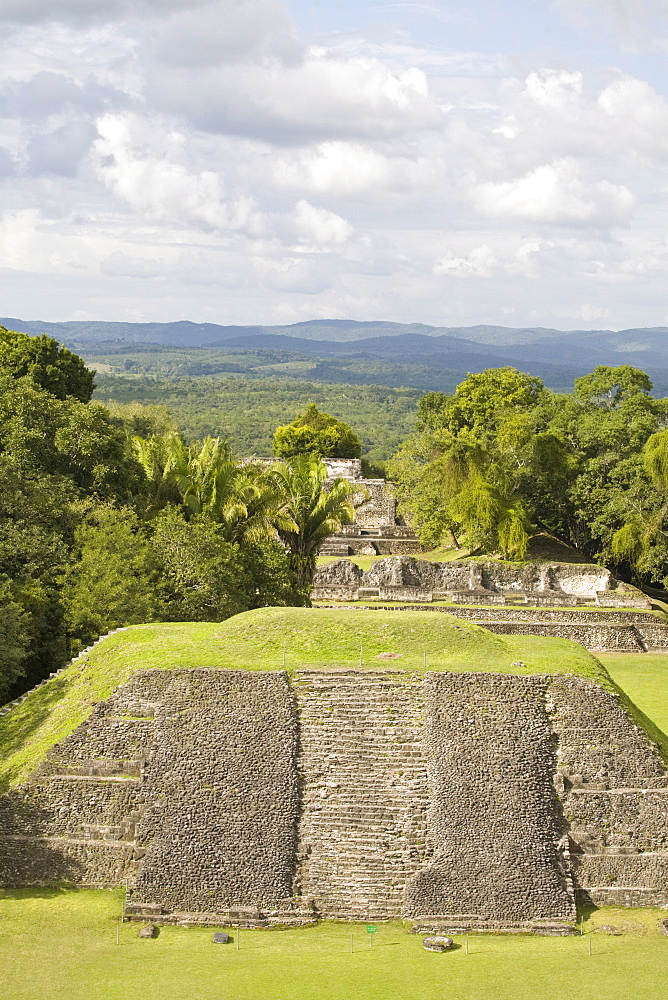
(206, 478)
(164, 459)
(314, 511)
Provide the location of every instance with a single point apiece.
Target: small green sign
(371, 929)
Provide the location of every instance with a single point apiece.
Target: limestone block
(437, 943)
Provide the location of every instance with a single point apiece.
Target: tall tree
(318, 434)
(315, 510)
(110, 580)
(202, 576)
(14, 638)
(51, 366)
(474, 461)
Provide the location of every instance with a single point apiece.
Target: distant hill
(379, 352)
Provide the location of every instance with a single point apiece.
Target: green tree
(605, 424)
(210, 483)
(36, 525)
(141, 420)
(315, 510)
(316, 433)
(51, 366)
(14, 638)
(475, 460)
(47, 435)
(269, 578)
(202, 576)
(607, 387)
(110, 581)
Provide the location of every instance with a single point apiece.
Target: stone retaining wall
(614, 792)
(218, 827)
(598, 631)
(405, 577)
(457, 799)
(495, 820)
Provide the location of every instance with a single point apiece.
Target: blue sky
(257, 161)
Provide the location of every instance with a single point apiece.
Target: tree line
(110, 518)
(503, 457)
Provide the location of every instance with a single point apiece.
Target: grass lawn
(61, 945)
(644, 678)
(270, 639)
(440, 554)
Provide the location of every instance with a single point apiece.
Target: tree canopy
(51, 366)
(316, 433)
(503, 456)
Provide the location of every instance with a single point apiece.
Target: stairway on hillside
(76, 819)
(363, 829)
(614, 788)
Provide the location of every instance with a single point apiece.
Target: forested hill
(187, 334)
(341, 351)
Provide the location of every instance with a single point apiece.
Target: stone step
(94, 767)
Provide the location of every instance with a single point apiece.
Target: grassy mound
(273, 639)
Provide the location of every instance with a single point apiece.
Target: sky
(260, 161)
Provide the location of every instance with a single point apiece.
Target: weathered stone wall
(463, 799)
(483, 580)
(218, 828)
(377, 506)
(75, 821)
(634, 632)
(495, 821)
(614, 638)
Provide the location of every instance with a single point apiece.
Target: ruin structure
(375, 529)
(564, 600)
(475, 581)
(454, 800)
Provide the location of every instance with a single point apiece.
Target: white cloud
(555, 193)
(162, 188)
(554, 89)
(318, 98)
(320, 229)
(353, 170)
(481, 261)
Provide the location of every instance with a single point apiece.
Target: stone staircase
(614, 788)
(76, 819)
(363, 830)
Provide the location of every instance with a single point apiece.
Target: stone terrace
(457, 800)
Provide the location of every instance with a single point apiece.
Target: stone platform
(258, 798)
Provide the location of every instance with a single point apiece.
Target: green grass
(440, 554)
(259, 640)
(61, 945)
(644, 678)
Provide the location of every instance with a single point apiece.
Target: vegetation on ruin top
(273, 639)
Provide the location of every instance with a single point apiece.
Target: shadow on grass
(19, 725)
(62, 889)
